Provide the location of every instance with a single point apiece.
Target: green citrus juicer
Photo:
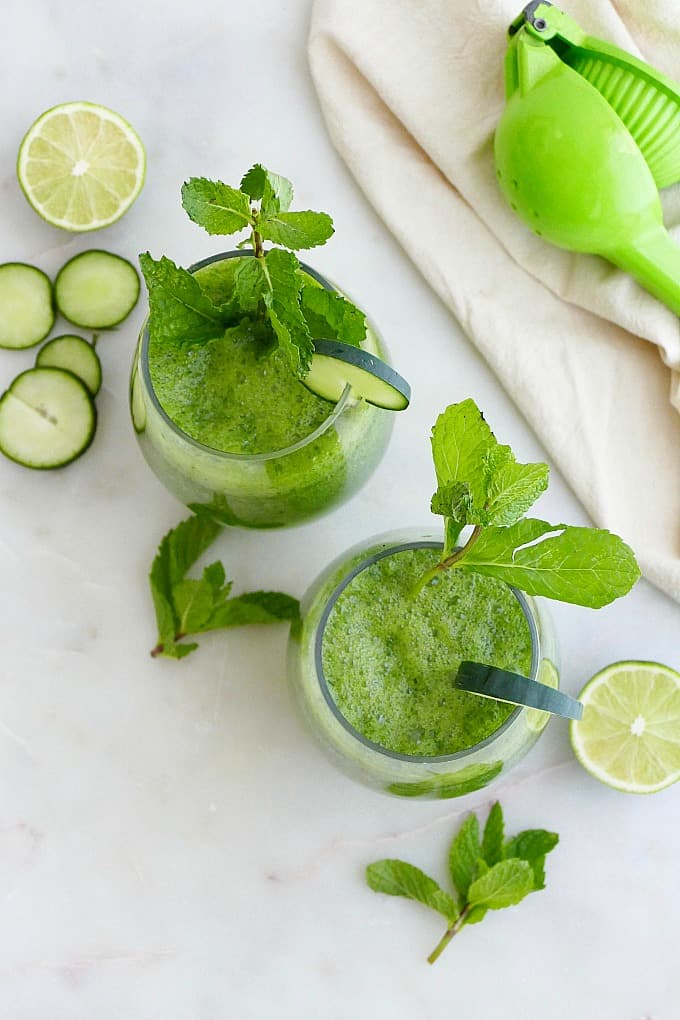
(588, 135)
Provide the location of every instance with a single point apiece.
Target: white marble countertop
(172, 844)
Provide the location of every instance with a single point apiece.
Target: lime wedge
(629, 736)
(81, 166)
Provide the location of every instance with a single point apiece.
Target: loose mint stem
(160, 647)
(450, 561)
(448, 935)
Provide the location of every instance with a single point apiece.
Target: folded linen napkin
(412, 91)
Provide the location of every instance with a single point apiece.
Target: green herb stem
(448, 935)
(160, 647)
(450, 561)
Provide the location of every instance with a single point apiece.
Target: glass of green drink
(372, 668)
(237, 435)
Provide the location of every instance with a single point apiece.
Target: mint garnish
(270, 289)
(487, 875)
(187, 606)
(480, 483)
(179, 311)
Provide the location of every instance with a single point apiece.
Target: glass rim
(241, 458)
(413, 759)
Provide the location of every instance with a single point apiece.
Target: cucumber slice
(336, 365)
(502, 685)
(96, 290)
(26, 305)
(75, 355)
(47, 418)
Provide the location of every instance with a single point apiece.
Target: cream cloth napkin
(411, 91)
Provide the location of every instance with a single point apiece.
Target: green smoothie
(389, 659)
(231, 394)
(230, 430)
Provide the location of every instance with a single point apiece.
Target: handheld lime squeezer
(588, 136)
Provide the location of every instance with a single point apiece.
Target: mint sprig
(480, 483)
(487, 873)
(187, 606)
(270, 289)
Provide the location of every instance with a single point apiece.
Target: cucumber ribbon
(502, 685)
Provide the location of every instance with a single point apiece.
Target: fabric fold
(411, 91)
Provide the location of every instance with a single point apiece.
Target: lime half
(81, 166)
(629, 736)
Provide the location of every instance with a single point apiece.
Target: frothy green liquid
(228, 394)
(389, 659)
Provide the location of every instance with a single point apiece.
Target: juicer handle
(654, 260)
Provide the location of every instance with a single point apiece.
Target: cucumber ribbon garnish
(503, 685)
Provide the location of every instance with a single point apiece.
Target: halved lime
(81, 166)
(629, 736)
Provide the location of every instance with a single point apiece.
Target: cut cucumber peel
(47, 418)
(26, 305)
(96, 289)
(75, 355)
(502, 685)
(336, 365)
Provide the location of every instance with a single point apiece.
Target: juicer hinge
(528, 15)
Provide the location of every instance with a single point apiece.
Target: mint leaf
(452, 532)
(179, 311)
(464, 855)
(178, 550)
(215, 576)
(513, 488)
(492, 840)
(275, 192)
(481, 886)
(465, 451)
(397, 878)
(538, 867)
(283, 303)
(253, 607)
(193, 602)
(331, 316)
(173, 650)
(186, 605)
(454, 501)
(475, 915)
(215, 206)
(250, 284)
(295, 229)
(502, 886)
(585, 566)
(461, 443)
(532, 845)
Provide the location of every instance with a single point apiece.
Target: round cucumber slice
(26, 305)
(96, 289)
(336, 365)
(502, 685)
(47, 418)
(75, 355)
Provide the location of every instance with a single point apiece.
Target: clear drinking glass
(265, 490)
(407, 775)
